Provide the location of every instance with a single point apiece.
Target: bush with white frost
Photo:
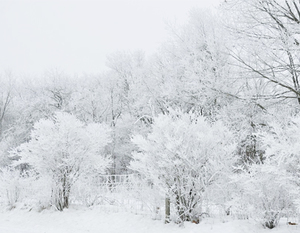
(63, 149)
(266, 193)
(183, 155)
(270, 189)
(11, 187)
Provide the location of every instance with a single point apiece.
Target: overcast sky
(76, 35)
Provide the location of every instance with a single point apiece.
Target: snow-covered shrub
(38, 192)
(84, 193)
(283, 148)
(63, 149)
(283, 152)
(146, 197)
(4, 160)
(90, 191)
(265, 193)
(218, 198)
(269, 189)
(10, 186)
(183, 155)
(24, 189)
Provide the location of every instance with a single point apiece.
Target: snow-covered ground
(96, 220)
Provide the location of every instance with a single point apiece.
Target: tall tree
(6, 95)
(192, 66)
(266, 33)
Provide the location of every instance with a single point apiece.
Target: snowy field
(96, 220)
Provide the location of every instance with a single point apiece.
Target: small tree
(270, 188)
(63, 148)
(266, 191)
(183, 155)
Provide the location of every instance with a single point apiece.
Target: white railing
(117, 192)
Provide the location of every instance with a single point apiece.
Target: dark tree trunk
(167, 210)
(61, 193)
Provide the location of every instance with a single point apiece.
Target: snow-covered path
(97, 221)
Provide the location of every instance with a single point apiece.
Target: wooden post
(167, 210)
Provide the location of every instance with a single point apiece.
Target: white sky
(76, 35)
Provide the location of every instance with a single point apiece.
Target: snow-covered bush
(270, 189)
(63, 149)
(4, 160)
(10, 186)
(183, 155)
(265, 192)
(146, 197)
(24, 188)
(283, 148)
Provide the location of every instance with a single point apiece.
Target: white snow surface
(79, 220)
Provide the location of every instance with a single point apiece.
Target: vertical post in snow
(167, 210)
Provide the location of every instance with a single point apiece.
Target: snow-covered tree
(191, 69)
(63, 149)
(266, 193)
(6, 96)
(266, 35)
(183, 155)
(282, 147)
(245, 119)
(269, 188)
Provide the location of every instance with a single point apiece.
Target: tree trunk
(1, 129)
(167, 210)
(66, 191)
(61, 193)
